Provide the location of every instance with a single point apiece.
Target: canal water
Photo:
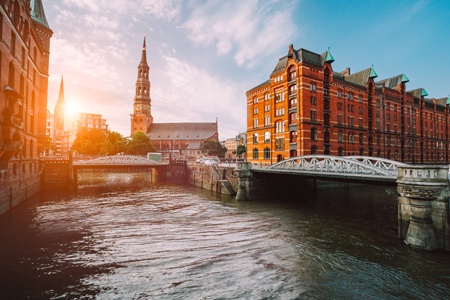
(119, 236)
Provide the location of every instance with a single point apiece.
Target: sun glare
(72, 108)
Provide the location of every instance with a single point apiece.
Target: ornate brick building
(308, 108)
(24, 62)
(173, 140)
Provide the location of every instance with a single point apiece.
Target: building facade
(307, 108)
(172, 140)
(24, 62)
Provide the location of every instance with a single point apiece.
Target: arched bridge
(348, 168)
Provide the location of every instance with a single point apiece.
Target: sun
(71, 108)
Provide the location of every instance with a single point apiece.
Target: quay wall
(204, 177)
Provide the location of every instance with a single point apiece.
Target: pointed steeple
(58, 114)
(373, 74)
(144, 54)
(37, 12)
(329, 58)
(424, 93)
(61, 90)
(404, 78)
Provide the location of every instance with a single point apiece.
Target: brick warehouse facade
(307, 108)
(24, 65)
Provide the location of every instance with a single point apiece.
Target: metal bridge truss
(117, 160)
(357, 167)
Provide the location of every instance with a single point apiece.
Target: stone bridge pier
(423, 206)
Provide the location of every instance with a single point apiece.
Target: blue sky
(205, 55)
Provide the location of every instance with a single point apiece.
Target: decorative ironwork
(118, 160)
(348, 166)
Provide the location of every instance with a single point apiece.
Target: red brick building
(308, 108)
(24, 65)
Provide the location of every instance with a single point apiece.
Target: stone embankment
(219, 179)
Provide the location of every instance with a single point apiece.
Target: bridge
(118, 161)
(340, 168)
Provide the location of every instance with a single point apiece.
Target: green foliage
(92, 141)
(241, 149)
(139, 144)
(116, 143)
(213, 148)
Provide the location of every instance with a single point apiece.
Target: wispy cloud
(247, 34)
(196, 95)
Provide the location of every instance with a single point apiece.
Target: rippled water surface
(119, 236)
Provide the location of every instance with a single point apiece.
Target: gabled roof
(304, 56)
(418, 92)
(359, 78)
(37, 12)
(393, 82)
(182, 131)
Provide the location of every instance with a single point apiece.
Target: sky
(205, 55)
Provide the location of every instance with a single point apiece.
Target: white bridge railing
(117, 160)
(338, 166)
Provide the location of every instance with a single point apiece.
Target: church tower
(58, 116)
(141, 119)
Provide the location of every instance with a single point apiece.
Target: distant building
(173, 140)
(24, 65)
(307, 108)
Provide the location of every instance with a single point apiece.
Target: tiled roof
(182, 131)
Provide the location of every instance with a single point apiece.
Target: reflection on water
(119, 236)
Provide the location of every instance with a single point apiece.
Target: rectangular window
(313, 100)
(312, 87)
(360, 99)
(339, 94)
(267, 121)
(313, 115)
(255, 123)
(360, 123)
(339, 105)
(255, 111)
(339, 119)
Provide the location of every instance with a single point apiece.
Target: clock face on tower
(138, 107)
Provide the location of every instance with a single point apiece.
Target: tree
(116, 143)
(213, 148)
(240, 149)
(139, 144)
(92, 141)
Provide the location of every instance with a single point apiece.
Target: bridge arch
(356, 166)
(117, 160)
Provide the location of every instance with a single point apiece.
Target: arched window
(314, 134)
(266, 153)
(255, 138)
(341, 151)
(255, 153)
(313, 150)
(267, 137)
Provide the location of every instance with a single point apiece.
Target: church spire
(61, 90)
(144, 53)
(141, 119)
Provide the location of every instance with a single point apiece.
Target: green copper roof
(37, 12)
(448, 100)
(373, 74)
(329, 58)
(424, 93)
(404, 78)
